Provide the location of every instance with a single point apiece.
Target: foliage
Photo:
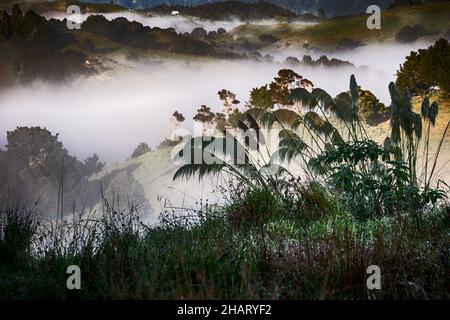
(36, 162)
(426, 68)
(230, 10)
(140, 150)
(368, 179)
(204, 114)
(279, 91)
(410, 34)
(178, 116)
(310, 250)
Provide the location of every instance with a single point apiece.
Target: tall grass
(312, 250)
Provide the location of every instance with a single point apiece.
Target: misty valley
(224, 150)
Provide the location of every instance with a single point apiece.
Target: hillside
(329, 7)
(42, 6)
(26, 38)
(330, 34)
(231, 10)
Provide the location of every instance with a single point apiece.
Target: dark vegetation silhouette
(140, 150)
(36, 48)
(35, 166)
(426, 68)
(235, 10)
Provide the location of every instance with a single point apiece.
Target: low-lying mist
(112, 113)
(180, 23)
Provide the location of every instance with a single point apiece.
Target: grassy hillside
(435, 17)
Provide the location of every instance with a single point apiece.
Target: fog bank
(179, 22)
(111, 114)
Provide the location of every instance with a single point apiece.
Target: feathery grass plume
(319, 125)
(343, 107)
(354, 91)
(434, 109)
(324, 99)
(418, 125)
(304, 97)
(395, 113)
(254, 112)
(336, 137)
(408, 100)
(425, 109)
(281, 116)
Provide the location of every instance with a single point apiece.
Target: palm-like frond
(254, 112)
(304, 97)
(189, 170)
(273, 170)
(318, 124)
(282, 116)
(253, 124)
(290, 146)
(215, 148)
(324, 99)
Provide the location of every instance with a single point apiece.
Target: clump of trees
(278, 92)
(140, 150)
(36, 167)
(348, 44)
(322, 61)
(231, 9)
(410, 34)
(178, 116)
(35, 47)
(372, 111)
(136, 35)
(426, 68)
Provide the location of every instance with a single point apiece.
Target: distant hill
(231, 9)
(404, 3)
(41, 6)
(330, 7)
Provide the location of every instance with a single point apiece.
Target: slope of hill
(330, 7)
(229, 10)
(42, 6)
(330, 34)
(148, 182)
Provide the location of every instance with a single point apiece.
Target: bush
(410, 34)
(419, 73)
(17, 231)
(140, 150)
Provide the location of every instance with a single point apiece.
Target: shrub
(419, 73)
(140, 150)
